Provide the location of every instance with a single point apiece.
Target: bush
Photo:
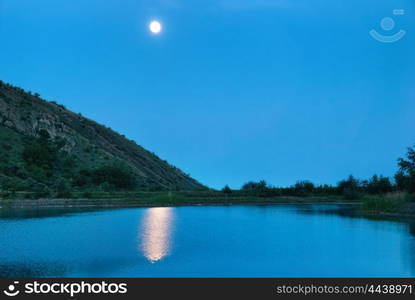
(118, 176)
(38, 154)
(63, 189)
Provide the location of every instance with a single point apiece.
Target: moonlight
(155, 27)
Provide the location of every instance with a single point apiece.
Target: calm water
(241, 241)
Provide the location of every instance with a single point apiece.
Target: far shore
(44, 203)
(128, 202)
(408, 212)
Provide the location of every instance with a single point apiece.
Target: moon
(155, 27)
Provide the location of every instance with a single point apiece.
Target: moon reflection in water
(156, 232)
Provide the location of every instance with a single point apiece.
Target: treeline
(350, 188)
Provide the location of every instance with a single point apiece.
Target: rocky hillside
(29, 125)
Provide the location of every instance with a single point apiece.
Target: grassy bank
(389, 204)
(137, 199)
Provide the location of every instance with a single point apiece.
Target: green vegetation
(43, 167)
(110, 176)
(389, 203)
(350, 188)
(173, 198)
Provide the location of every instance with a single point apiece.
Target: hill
(47, 148)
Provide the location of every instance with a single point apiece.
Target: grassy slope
(22, 115)
(12, 145)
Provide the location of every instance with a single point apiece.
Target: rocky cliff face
(27, 114)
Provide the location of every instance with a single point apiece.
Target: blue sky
(231, 90)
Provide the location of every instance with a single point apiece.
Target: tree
(349, 187)
(226, 190)
(304, 188)
(379, 185)
(63, 189)
(118, 176)
(401, 180)
(37, 153)
(259, 188)
(255, 186)
(406, 173)
(349, 183)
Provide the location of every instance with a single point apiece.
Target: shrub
(83, 178)
(63, 189)
(118, 176)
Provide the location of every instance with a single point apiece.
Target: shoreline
(126, 202)
(119, 203)
(107, 205)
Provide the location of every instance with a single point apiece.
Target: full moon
(155, 27)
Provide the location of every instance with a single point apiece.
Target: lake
(195, 241)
